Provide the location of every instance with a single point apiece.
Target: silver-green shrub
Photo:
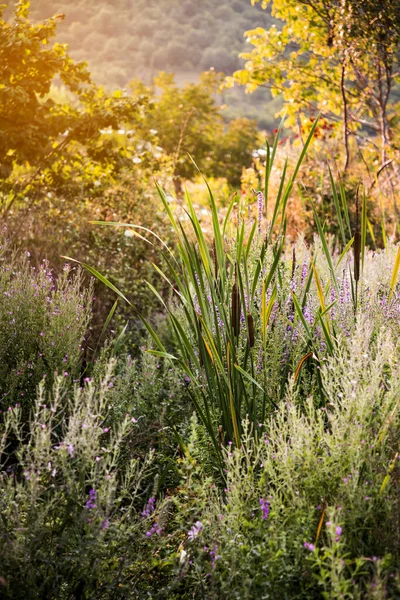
(43, 321)
(70, 508)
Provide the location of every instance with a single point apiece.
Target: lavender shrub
(43, 320)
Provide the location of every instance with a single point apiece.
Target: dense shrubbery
(42, 326)
(248, 448)
(70, 507)
(112, 493)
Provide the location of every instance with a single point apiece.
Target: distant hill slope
(122, 39)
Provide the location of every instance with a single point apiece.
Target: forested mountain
(122, 39)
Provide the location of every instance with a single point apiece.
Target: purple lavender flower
(333, 299)
(264, 508)
(308, 315)
(309, 546)
(91, 503)
(195, 530)
(155, 529)
(149, 508)
(303, 273)
(213, 555)
(260, 201)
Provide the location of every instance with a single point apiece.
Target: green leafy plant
(43, 321)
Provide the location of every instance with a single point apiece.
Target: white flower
(183, 556)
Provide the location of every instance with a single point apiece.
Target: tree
(338, 57)
(45, 135)
(188, 122)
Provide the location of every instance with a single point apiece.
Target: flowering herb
(264, 508)
(195, 530)
(91, 503)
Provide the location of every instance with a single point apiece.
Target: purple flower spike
(91, 503)
(264, 508)
(149, 508)
(260, 201)
(195, 530)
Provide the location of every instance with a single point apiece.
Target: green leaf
(100, 277)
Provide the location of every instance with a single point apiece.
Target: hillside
(124, 39)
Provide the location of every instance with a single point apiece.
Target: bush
(43, 320)
(70, 510)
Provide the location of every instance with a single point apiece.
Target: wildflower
(155, 529)
(182, 557)
(308, 315)
(264, 508)
(195, 530)
(105, 524)
(91, 503)
(213, 555)
(149, 508)
(303, 272)
(309, 546)
(70, 449)
(260, 200)
(338, 532)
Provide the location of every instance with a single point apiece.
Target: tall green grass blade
(337, 206)
(249, 377)
(345, 251)
(300, 315)
(394, 274)
(345, 207)
(228, 214)
(106, 324)
(325, 246)
(100, 277)
(363, 228)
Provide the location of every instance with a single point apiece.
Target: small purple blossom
(308, 315)
(213, 555)
(304, 270)
(195, 530)
(155, 529)
(309, 546)
(260, 202)
(91, 503)
(149, 508)
(264, 508)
